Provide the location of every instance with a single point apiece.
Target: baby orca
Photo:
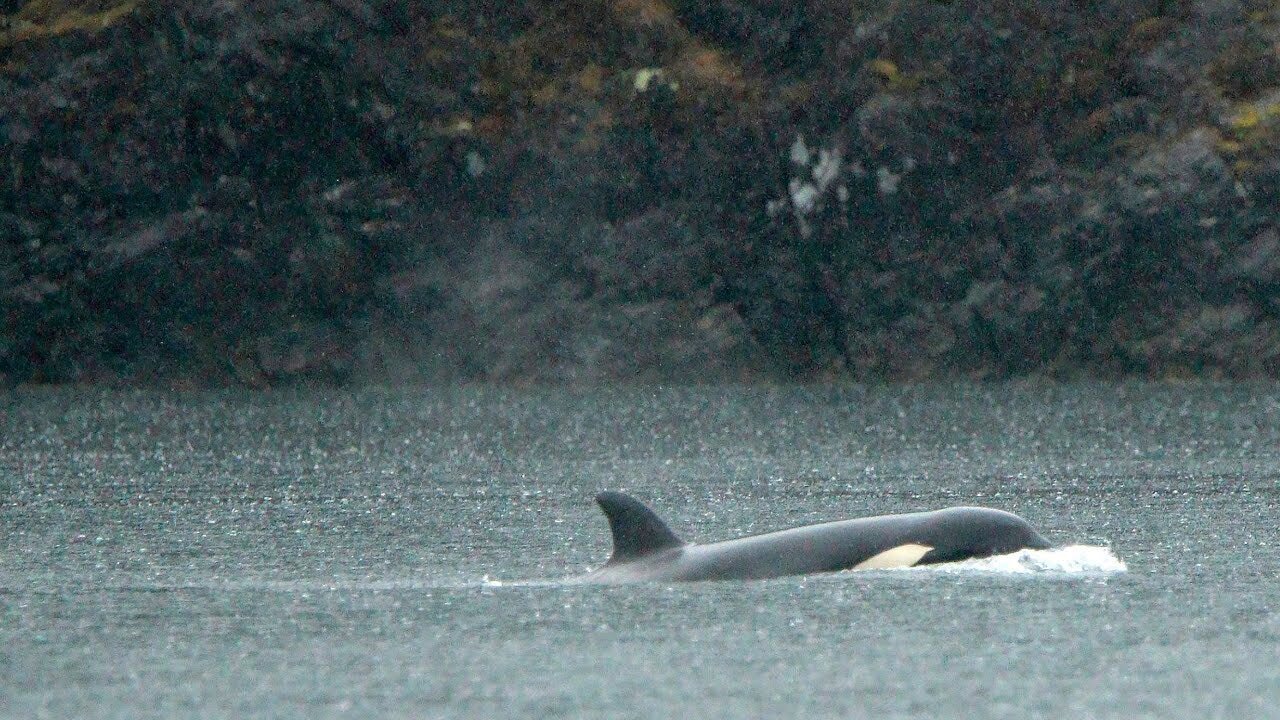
(645, 549)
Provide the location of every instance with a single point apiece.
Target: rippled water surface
(398, 553)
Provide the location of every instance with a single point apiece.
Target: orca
(645, 549)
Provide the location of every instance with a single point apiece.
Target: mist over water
(405, 554)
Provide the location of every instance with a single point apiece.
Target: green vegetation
(51, 18)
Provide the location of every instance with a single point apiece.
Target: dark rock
(132, 244)
(1258, 261)
(1221, 340)
(1186, 181)
(279, 192)
(657, 254)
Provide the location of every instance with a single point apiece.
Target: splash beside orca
(645, 549)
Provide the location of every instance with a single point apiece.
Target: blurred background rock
(278, 192)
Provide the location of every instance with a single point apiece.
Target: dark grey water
(293, 555)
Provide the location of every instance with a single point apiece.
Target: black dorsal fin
(637, 530)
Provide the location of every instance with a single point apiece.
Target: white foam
(1067, 560)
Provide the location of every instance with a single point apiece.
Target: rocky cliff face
(382, 190)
